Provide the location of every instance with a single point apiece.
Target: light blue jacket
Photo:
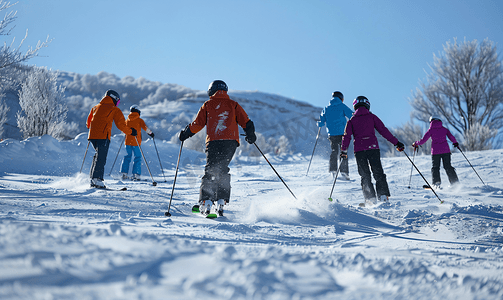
(334, 116)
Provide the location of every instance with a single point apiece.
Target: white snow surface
(61, 239)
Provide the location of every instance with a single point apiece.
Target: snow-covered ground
(60, 239)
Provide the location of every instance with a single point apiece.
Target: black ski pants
(371, 160)
(216, 182)
(100, 158)
(335, 144)
(449, 169)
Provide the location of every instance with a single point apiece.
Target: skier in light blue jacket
(335, 116)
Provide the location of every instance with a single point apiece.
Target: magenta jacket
(437, 132)
(362, 126)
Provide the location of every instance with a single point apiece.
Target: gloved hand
(250, 132)
(415, 145)
(400, 146)
(185, 133)
(133, 132)
(344, 154)
(251, 138)
(456, 145)
(151, 134)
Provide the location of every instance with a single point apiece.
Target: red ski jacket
(221, 116)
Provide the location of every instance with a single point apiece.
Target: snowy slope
(62, 240)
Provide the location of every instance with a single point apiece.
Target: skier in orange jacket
(134, 121)
(99, 123)
(221, 116)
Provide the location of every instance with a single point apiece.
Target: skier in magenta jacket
(362, 127)
(439, 150)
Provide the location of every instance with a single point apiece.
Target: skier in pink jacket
(439, 150)
(362, 127)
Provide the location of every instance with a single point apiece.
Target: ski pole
(335, 179)
(117, 155)
(85, 154)
(471, 165)
(153, 181)
(162, 170)
(167, 214)
(317, 136)
(412, 167)
(274, 170)
(441, 201)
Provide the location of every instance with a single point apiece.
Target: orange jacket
(134, 120)
(221, 116)
(101, 117)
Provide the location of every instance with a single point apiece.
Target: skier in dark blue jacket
(335, 116)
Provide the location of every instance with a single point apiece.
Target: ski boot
(98, 183)
(384, 198)
(205, 207)
(136, 177)
(220, 207)
(344, 176)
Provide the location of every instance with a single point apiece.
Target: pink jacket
(437, 132)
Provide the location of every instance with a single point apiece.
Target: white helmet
(435, 118)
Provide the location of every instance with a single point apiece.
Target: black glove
(400, 146)
(344, 154)
(133, 132)
(456, 145)
(185, 133)
(151, 134)
(250, 132)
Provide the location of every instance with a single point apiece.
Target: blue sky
(304, 50)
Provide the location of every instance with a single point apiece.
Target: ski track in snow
(60, 239)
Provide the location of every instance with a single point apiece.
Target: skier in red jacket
(221, 116)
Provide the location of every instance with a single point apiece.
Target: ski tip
(195, 208)
(124, 189)
(211, 216)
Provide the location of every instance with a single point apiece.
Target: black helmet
(114, 95)
(135, 108)
(361, 101)
(338, 95)
(217, 85)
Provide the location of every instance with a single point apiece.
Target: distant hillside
(283, 124)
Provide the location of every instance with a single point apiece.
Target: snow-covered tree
(11, 55)
(465, 88)
(41, 101)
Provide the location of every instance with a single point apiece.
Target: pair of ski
(107, 188)
(209, 213)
